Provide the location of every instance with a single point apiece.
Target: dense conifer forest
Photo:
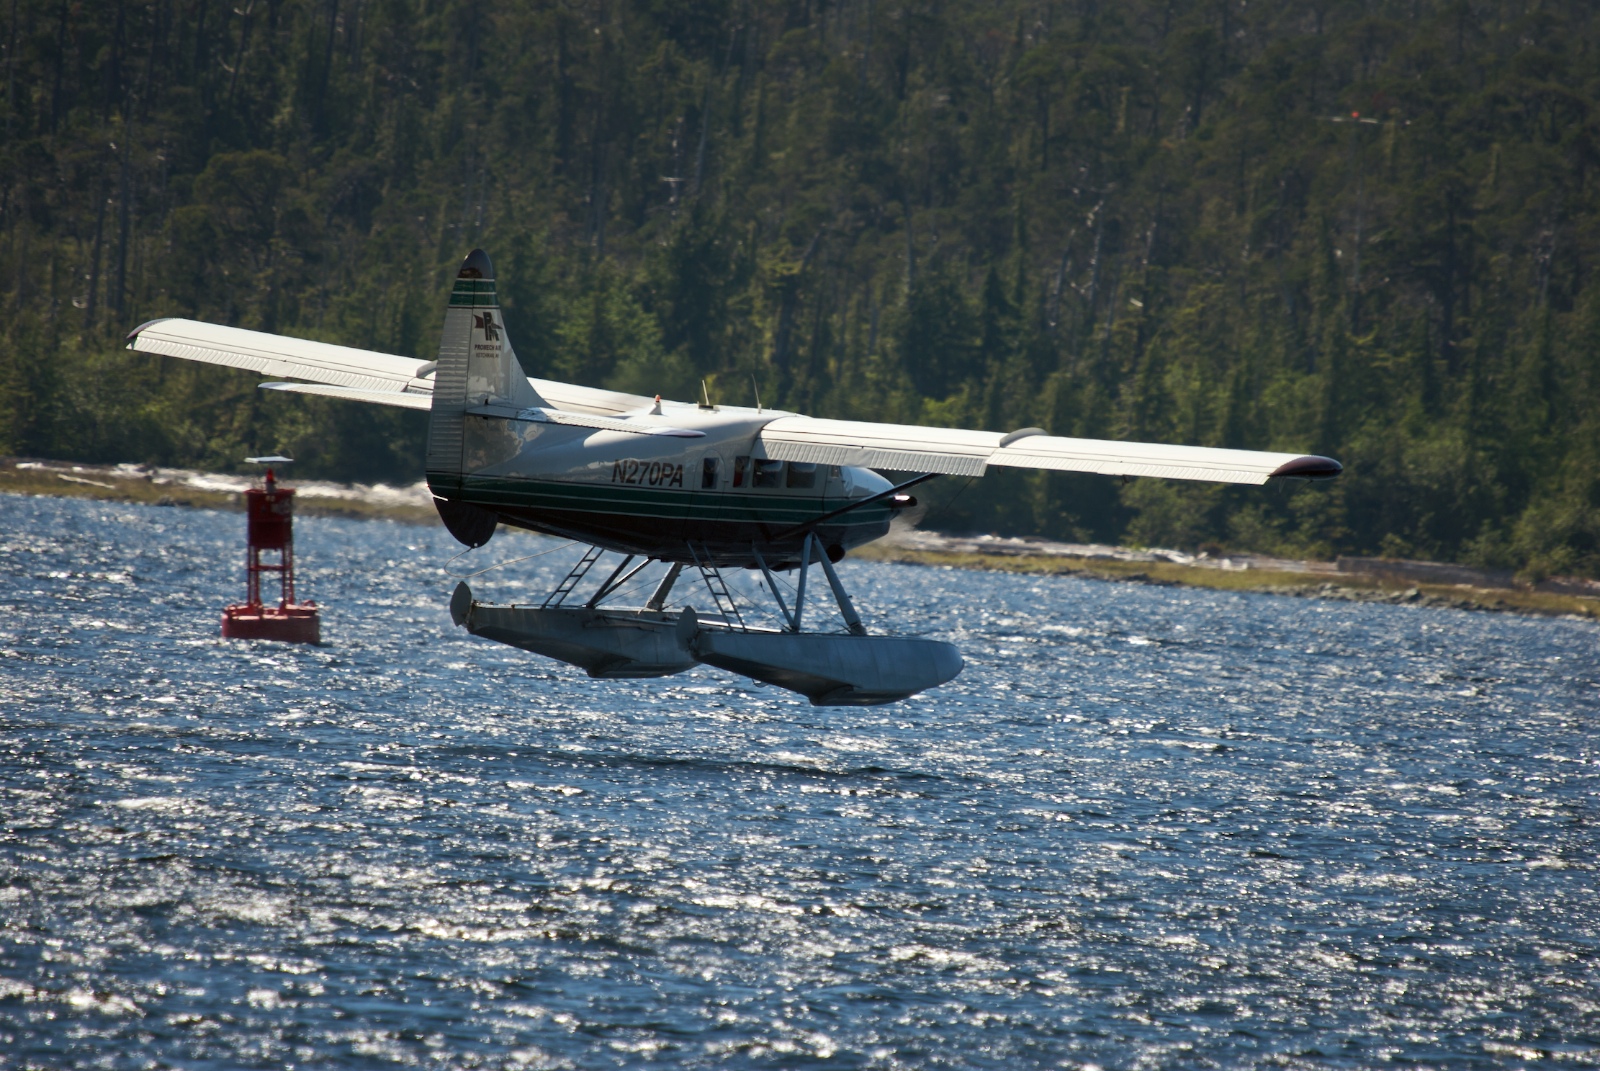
(1365, 229)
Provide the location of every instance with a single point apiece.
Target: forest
(1362, 228)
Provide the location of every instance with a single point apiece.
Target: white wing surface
(386, 379)
(903, 447)
(570, 396)
(279, 355)
(910, 448)
(363, 375)
(1110, 458)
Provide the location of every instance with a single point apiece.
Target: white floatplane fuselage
(699, 479)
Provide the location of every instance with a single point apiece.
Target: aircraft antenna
(757, 388)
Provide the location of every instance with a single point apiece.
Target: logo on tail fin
(491, 330)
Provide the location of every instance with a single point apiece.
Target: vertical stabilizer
(476, 366)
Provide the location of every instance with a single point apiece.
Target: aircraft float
(694, 487)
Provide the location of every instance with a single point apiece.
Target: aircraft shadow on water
(697, 487)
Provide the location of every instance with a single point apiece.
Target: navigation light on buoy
(270, 528)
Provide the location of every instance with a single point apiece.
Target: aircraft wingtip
(134, 334)
(1310, 467)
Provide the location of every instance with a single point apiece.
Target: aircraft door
(807, 482)
(706, 502)
(711, 472)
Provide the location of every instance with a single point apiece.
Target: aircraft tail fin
(476, 366)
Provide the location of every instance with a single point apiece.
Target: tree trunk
(911, 249)
(244, 46)
(11, 71)
(325, 75)
(564, 94)
(198, 65)
(124, 223)
(113, 87)
(94, 265)
(61, 64)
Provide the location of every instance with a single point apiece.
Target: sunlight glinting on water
(1146, 827)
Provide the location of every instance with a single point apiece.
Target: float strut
(852, 619)
(613, 582)
(800, 588)
(772, 583)
(658, 598)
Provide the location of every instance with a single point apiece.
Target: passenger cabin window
(708, 473)
(768, 473)
(740, 464)
(802, 474)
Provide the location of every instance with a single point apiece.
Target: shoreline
(1424, 584)
(152, 486)
(1352, 582)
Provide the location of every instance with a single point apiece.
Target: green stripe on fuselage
(742, 506)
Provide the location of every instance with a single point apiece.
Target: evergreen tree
(1364, 231)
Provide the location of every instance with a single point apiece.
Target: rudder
(476, 366)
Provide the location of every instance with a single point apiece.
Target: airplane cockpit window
(708, 473)
(767, 473)
(802, 474)
(740, 464)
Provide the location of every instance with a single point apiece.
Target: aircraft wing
(902, 447)
(341, 371)
(278, 355)
(387, 379)
(910, 448)
(1111, 458)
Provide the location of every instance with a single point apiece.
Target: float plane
(691, 486)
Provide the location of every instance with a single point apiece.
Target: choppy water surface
(1146, 827)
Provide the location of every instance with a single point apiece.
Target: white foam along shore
(1029, 546)
(378, 497)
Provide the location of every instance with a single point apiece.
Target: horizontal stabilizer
(402, 399)
(582, 420)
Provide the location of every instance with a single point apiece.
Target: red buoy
(270, 527)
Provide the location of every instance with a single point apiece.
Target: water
(1146, 827)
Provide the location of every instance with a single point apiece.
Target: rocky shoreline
(155, 486)
(1426, 584)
